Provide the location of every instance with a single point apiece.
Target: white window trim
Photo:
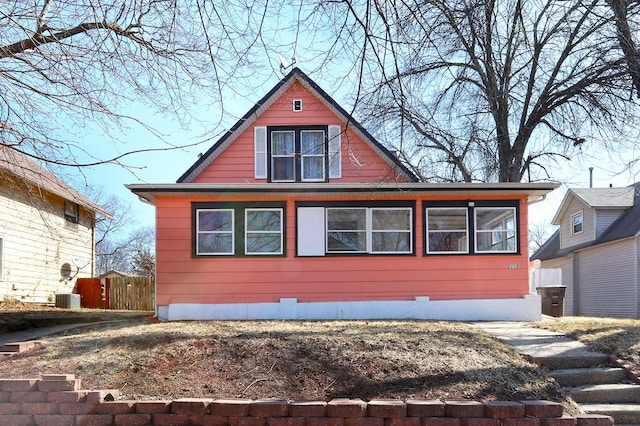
(466, 230)
(292, 156)
(247, 232)
(232, 232)
(369, 230)
(576, 214)
(477, 231)
(303, 156)
(327, 230)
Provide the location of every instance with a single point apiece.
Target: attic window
(297, 105)
(71, 211)
(576, 223)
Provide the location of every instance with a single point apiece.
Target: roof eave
(150, 192)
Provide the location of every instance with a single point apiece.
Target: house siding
(565, 264)
(183, 278)
(607, 276)
(604, 219)
(567, 239)
(360, 163)
(38, 241)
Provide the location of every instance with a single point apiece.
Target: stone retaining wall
(58, 400)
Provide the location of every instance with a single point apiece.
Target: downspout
(576, 282)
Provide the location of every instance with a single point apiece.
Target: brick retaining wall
(58, 400)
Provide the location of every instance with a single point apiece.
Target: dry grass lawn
(619, 337)
(288, 359)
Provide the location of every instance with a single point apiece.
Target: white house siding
(604, 219)
(588, 225)
(565, 264)
(37, 242)
(607, 276)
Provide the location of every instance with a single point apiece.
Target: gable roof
(597, 198)
(33, 173)
(627, 225)
(296, 75)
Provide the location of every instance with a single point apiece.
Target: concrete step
(605, 394)
(588, 376)
(584, 359)
(17, 347)
(623, 414)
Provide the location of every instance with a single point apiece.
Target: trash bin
(552, 300)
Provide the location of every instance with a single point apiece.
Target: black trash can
(552, 300)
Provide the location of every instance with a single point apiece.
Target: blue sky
(167, 166)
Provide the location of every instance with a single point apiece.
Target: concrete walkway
(39, 332)
(584, 375)
(545, 347)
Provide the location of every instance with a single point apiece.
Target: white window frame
(292, 156)
(303, 156)
(327, 230)
(579, 214)
(440, 231)
(247, 232)
(369, 231)
(232, 233)
(493, 231)
(372, 231)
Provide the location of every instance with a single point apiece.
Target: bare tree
(142, 256)
(67, 64)
(485, 90)
(622, 11)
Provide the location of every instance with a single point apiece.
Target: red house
(297, 212)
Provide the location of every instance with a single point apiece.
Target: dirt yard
(287, 359)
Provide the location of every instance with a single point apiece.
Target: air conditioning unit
(68, 301)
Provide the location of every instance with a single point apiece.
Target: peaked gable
(597, 198)
(250, 118)
(625, 226)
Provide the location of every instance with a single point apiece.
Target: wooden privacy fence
(131, 293)
(124, 293)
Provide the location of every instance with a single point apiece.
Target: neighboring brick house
(298, 212)
(46, 231)
(597, 247)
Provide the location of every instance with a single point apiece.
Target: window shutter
(260, 152)
(335, 152)
(311, 235)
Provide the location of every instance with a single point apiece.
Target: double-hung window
(297, 154)
(577, 223)
(214, 232)
(241, 229)
(471, 227)
(263, 231)
(375, 230)
(71, 212)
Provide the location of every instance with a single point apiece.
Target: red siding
(182, 278)
(360, 164)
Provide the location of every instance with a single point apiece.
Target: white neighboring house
(597, 247)
(46, 231)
